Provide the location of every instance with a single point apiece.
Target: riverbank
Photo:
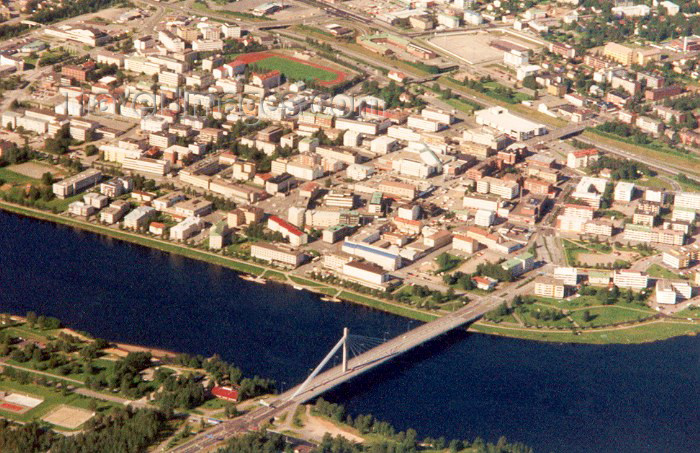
(257, 270)
(637, 333)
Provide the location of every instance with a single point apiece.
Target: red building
(663, 92)
(225, 393)
(78, 72)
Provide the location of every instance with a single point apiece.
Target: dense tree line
(124, 431)
(621, 168)
(28, 438)
(394, 441)
(72, 9)
(186, 392)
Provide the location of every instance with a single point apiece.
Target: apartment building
(502, 188)
(630, 279)
(397, 189)
(139, 217)
(114, 212)
(77, 183)
(549, 287)
(690, 200)
(671, 292)
(582, 158)
(159, 167)
(294, 235)
(624, 191)
(277, 254)
(640, 233)
(619, 53)
(387, 259)
(186, 229)
(676, 258)
(366, 274)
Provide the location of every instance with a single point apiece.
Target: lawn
(658, 271)
(691, 311)
(388, 307)
(529, 319)
(688, 162)
(656, 183)
(605, 316)
(588, 301)
(305, 282)
(11, 177)
(571, 251)
(463, 105)
(294, 70)
(642, 333)
(274, 275)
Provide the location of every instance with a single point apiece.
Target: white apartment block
(139, 217)
(568, 275)
(624, 191)
(186, 229)
(690, 200)
(671, 292)
(549, 287)
(277, 254)
(77, 183)
(504, 189)
(630, 279)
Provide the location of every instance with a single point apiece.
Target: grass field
(658, 271)
(11, 177)
(462, 105)
(690, 312)
(689, 162)
(391, 308)
(294, 70)
(605, 316)
(642, 333)
(571, 251)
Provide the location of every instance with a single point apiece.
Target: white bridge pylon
(353, 344)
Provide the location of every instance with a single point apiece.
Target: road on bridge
(335, 376)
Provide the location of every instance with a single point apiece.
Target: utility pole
(345, 349)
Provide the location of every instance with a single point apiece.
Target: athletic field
(293, 68)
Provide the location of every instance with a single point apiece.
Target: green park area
(599, 316)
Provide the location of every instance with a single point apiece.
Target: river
(554, 397)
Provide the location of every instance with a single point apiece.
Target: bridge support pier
(346, 332)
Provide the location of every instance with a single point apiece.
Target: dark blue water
(563, 398)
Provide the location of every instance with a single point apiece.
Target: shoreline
(344, 294)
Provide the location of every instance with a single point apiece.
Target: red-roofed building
(261, 178)
(225, 393)
(295, 236)
(156, 228)
(309, 189)
(407, 225)
(582, 158)
(267, 80)
(484, 283)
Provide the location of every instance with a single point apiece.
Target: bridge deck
(335, 376)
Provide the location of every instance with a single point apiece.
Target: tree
(31, 319)
(47, 178)
(587, 316)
